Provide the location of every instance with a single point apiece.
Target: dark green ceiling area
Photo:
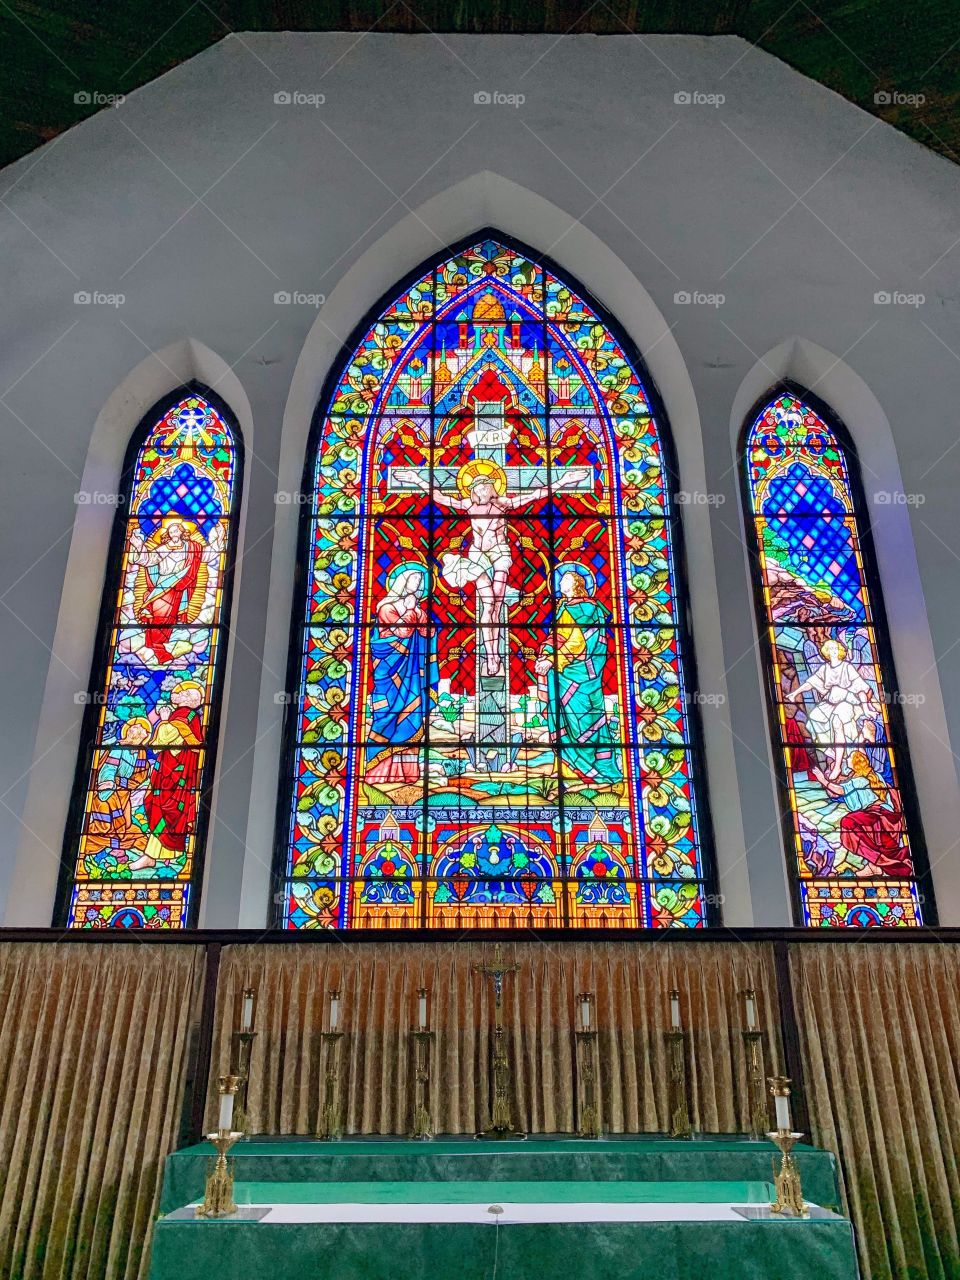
(861, 48)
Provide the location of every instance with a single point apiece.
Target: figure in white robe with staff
(845, 712)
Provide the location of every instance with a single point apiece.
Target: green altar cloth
(636, 1158)
(512, 1192)
(672, 1248)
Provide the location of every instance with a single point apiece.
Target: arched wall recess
(842, 395)
(491, 718)
(69, 695)
(484, 199)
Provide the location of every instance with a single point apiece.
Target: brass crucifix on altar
(501, 1122)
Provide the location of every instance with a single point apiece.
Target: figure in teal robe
(576, 712)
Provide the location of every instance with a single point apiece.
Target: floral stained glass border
(491, 721)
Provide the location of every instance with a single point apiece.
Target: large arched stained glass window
(490, 722)
(846, 788)
(134, 843)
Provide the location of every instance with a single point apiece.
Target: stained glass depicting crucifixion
(490, 722)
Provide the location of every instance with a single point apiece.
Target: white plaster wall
(201, 197)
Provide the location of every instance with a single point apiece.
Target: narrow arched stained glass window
(856, 855)
(490, 723)
(134, 845)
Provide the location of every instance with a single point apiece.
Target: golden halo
(190, 530)
(481, 469)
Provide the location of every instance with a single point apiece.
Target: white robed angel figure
(845, 711)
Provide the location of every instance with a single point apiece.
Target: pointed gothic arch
(856, 856)
(135, 837)
(492, 719)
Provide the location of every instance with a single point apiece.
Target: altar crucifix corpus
(486, 490)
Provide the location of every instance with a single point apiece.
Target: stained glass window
(490, 723)
(135, 837)
(844, 771)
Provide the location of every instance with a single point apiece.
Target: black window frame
(891, 688)
(697, 756)
(102, 654)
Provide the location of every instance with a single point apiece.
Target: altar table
(462, 1230)
(632, 1158)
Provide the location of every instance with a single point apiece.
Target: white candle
(675, 1010)
(782, 1104)
(585, 1012)
(751, 1012)
(226, 1112)
(334, 1010)
(246, 1018)
(422, 1008)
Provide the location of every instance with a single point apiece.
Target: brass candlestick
(589, 1114)
(788, 1197)
(245, 1041)
(218, 1190)
(501, 1120)
(331, 1125)
(245, 1036)
(680, 1126)
(422, 1100)
(756, 1100)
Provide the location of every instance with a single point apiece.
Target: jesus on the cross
(483, 497)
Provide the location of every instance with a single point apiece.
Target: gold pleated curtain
(880, 1034)
(93, 1047)
(95, 1039)
(378, 986)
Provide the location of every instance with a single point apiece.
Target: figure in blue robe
(404, 672)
